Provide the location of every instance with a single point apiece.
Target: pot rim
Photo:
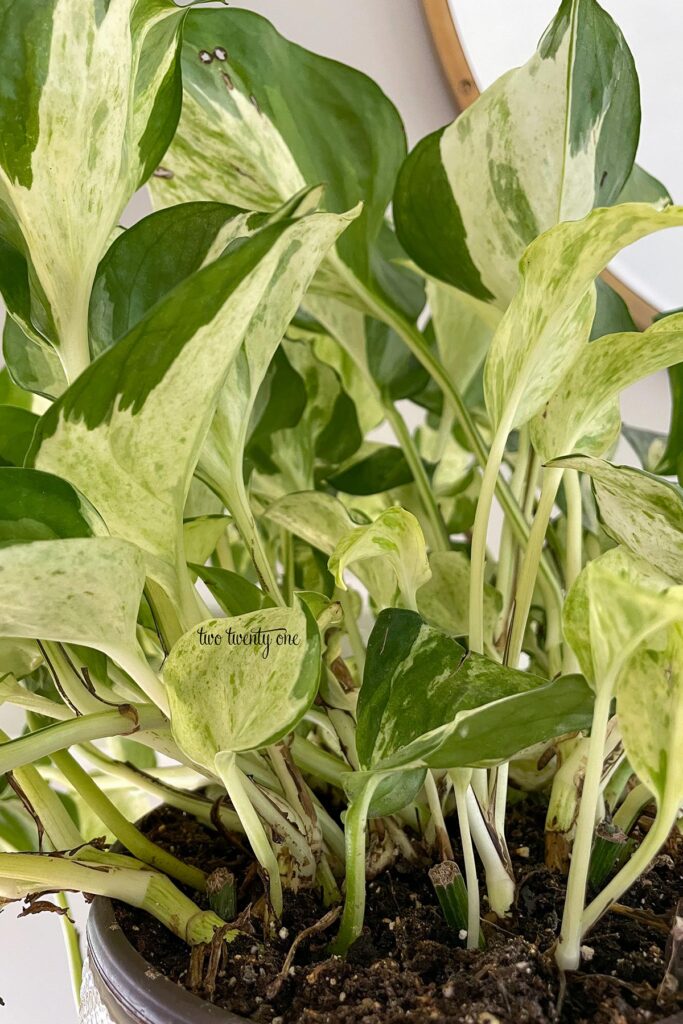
(134, 986)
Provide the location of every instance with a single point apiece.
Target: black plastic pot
(122, 988)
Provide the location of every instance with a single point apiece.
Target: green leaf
(671, 461)
(97, 93)
(425, 701)
(246, 689)
(382, 469)
(650, 712)
(545, 143)
(397, 537)
(443, 601)
(12, 394)
(463, 329)
(548, 323)
(648, 445)
(16, 432)
(39, 506)
(612, 315)
(152, 258)
(617, 602)
(17, 828)
(255, 118)
(108, 434)
(582, 414)
(638, 510)
(235, 595)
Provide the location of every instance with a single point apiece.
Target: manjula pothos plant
(215, 588)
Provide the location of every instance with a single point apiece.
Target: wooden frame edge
(463, 84)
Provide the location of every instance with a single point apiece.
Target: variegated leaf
(254, 115)
(545, 143)
(397, 537)
(39, 506)
(109, 434)
(650, 712)
(443, 600)
(639, 510)
(242, 683)
(617, 602)
(322, 521)
(549, 321)
(425, 701)
(583, 413)
(90, 99)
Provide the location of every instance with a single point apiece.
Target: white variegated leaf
(582, 414)
(90, 98)
(397, 537)
(545, 143)
(548, 323)
(641, 511)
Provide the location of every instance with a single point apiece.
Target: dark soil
(408, 966)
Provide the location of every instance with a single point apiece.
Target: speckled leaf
(617, 602)
(78, 591)
(248, 690)
(545, 143)
(426, 701)
(395, 536)
(322, 521)
(583, 413)
(650, 712)
(640, 511)
(109, 433)
(549, 321)
(93, 90)
(201, 534)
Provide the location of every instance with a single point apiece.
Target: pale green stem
(21, 875)
(416, 343)
(500, 802)
(234, 781)
(574, 549)
(500, 886)
(128, 835)
(479, 537)
(631, 871)
(631, 808)
(70, 685)
(137, 667)
(351, 628)
(198, 806)
(439, 534)
(443, 841)
(355, 824)
(471, 878)
(287, 541)
(14, 694)
(568, 954)
(507, 558)
(318, 762)
(73, 949)
(237, 503)
(529, 570)
(32, 747)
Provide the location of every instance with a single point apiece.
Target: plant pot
(120, 987)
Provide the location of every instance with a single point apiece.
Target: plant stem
(198, 806)
(443, 841)
(440, 538)
(318, 762)
(630, 810)
(134, 841)
(527, 577)
(354, 905)
(234, 781)
(460, 786)
(137, 667)
(568, 954)
(352, 631)
(73, 949)
(236, 500)
(45, 742)
(21, 875)
(631, 871)
(416, 343)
